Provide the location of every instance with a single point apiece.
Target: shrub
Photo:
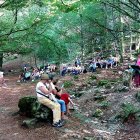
(97, 113)
(93, 77)
(75, 77)
(68, 84)
(102, 83)
(138, 96)
(104, 104)
(128, 111)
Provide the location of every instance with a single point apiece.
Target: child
(63, 95)
(66, 97)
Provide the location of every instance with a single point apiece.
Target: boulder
(30, 107)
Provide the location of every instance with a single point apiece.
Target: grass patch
(68, 84)
(102, 83)
(128, 112)
(104, 104)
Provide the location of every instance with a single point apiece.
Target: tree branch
(122, 11)
(20, 30)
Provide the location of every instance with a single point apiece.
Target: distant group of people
(34, 73)
(78, 68)
(28, 74)
(54, 97)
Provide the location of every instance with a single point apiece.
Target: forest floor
(80, 125)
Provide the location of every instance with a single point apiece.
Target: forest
(91, 46)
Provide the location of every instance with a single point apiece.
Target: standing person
(138, 61)
(43, 97)
(2, 81)
(137, 73)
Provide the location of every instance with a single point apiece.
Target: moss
(128, 111)
(137, 96)
(104, 104)
(68, 84)
(75, 77)
(102, 83)
(93, 77)
(97, 113)
(30, 107)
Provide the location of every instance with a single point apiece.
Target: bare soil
(11, 129)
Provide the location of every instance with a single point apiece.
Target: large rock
(30, 107)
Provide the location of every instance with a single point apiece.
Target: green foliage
(104, 104)
(128, 111)
(25, 104)
(102, 83)
(75, 77)
(137, 95)
(99, 98)
(93, 77)
(68, 84)
(98, 113)
(60, 30)
(30, 107)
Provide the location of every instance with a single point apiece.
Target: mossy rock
(30, 107)
(89, 138)
(104, 104)
(98, 113)
(99, 97)
(93, 77)
(127, 112)
(138, 96)
(25, 105)
(121, 88)
(108, 86)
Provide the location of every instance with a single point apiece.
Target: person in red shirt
(66, 98)
(62, 94)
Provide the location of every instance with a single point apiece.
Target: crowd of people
(34, 73)
(78, 68)
(51, 93)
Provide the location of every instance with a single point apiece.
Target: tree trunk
(1, 60)
(82, 38)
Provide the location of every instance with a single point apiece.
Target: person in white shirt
(43, 97)
(2, 81)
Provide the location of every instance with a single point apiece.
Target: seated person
(27, 75)
(110, 62)
(75, 71)
(61, 102)
(43, 97)
(92, 66)
(66, 98)
(24, 76)
(85, 70)
(61, 93)
(35, 74)
(64, 71)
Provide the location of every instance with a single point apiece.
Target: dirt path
(10, 127)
